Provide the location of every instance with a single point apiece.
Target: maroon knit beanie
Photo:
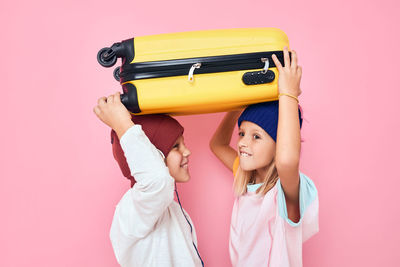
(162, 131)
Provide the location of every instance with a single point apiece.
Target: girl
(149, 228)
(276, 208)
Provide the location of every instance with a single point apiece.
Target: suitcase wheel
(106, 57)
(117, 73)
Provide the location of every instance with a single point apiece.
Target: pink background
(59, 183)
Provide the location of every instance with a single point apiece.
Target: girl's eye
(256, 136)
(241, 134)
(176, 146)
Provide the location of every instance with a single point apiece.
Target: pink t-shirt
(261, 233)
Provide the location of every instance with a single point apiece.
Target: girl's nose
(242, 143)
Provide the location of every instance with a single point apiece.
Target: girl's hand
(112, 112)
(290, 75)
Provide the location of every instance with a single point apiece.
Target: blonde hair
(242, 178)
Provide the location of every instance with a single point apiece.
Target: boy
(149, 228)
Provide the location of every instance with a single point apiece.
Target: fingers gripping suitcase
(197, 72)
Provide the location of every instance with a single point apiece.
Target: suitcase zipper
(191, 71)
(202, 65)
(198, 65)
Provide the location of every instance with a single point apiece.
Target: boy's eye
(176, 146)
(256, 136)
(241, 134)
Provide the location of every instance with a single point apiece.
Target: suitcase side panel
(208, 43)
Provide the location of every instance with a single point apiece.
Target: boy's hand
(112, 112)
(290, 75)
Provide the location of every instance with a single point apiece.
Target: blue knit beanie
(264, 115)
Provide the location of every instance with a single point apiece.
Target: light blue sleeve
(308, 194)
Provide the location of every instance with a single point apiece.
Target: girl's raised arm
(288, 135)
(220, 142)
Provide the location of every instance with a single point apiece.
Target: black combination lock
(258, 77)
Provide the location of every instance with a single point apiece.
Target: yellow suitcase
(197, 72)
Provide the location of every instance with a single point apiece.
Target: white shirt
(149, 228)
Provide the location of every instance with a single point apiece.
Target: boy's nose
(187, 152)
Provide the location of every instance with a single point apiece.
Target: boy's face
(255, 147)
(177, 161)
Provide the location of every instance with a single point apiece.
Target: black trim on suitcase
(129, 52)
(181, 67)
(129, 99)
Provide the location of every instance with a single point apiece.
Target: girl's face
(255, 147)
(177, 161)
